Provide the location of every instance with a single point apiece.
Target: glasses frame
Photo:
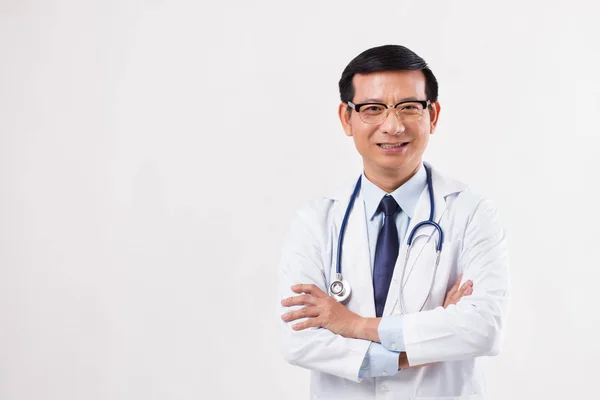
(357, 107)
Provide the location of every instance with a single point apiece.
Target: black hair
(386, 58)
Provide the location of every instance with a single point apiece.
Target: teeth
(391, 146)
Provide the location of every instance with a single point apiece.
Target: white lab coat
(455, 338)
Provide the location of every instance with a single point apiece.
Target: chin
(397, 164)
(391, 166)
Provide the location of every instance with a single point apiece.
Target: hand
(452, 297)
(321, 310)
(455, 294)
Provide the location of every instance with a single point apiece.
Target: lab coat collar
(442, 187)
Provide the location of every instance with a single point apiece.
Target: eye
(411, 108)
(372, 109)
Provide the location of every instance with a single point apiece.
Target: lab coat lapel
(356, 266)
(421, 261)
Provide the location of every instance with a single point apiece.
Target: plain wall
(152, 154)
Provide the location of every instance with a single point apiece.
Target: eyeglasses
(376, 113)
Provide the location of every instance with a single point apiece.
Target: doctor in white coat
(408, 330)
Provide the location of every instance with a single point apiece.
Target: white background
(152, 154)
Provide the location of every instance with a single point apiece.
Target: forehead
(389, 85)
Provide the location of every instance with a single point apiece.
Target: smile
(391, 145)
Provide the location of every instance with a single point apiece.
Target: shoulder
(315, 211)
(470, 215)
(464, 203)
(321, 208)
(467, 200)
(459, 194)
(319, 215)
(469, 207)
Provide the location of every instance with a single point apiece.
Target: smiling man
(395, 286)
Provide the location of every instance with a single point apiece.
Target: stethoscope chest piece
(339, 289)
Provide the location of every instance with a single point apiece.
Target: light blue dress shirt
(382, 359)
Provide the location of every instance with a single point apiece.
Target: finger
(464, 287)
(456, 284)
(305, 299)
(309, 323)
(309, 288)
(461, 291)
(469, 291)
(305, 312)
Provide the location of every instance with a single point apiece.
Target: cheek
(423, 133)
(362, 135)
(362, 141)
(423, 142)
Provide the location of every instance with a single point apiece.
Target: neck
(389, 180)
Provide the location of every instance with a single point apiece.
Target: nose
(392, 125)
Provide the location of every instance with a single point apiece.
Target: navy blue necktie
(386, 253)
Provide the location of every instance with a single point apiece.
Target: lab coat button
(393, 346)
(385, 373)
(383, 389)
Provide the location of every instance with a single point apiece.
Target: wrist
(367, 329)
(403, 361)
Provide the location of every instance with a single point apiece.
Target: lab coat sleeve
(473, 326)
(315, 348)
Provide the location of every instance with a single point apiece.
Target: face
(373, 141)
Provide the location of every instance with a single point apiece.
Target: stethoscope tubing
(338, 268)
(411, 237)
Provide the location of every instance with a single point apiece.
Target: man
(401, 333)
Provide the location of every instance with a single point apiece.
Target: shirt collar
(407, 195)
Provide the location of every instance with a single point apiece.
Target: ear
(434, 114)
(345, 118)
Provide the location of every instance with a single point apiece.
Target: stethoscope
(340, 289)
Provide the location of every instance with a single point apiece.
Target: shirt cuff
(391, 333)
(379, 361)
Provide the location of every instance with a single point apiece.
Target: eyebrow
(374, 100)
